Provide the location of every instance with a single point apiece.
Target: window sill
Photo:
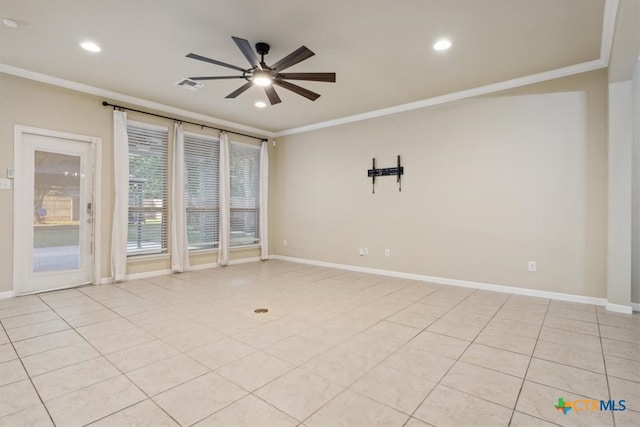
(203, 251)
(162, 256)
(216, 250)
(238, 248)
(149, 257)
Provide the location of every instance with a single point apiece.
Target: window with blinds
(244, 168)
(202, 160)
(148, 160)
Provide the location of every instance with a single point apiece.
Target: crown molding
(606, 43)
(455, 96)
(608, 29)
(116, 96)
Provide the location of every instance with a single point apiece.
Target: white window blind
(202, 160)
(148, 159)
(244, 167)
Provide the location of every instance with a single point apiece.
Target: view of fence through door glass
(56, 214)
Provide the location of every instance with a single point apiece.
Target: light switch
(5, 184)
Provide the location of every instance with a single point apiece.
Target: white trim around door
(25, 139)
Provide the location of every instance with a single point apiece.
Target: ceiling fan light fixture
(260, 104)
(261, 78)
(442, 44)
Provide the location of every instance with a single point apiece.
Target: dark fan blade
(213, 61)
(272, 95)
(297, 89)
(239, 90)
(314, 77)
(215, 78)
(293, 58)
(247, 51)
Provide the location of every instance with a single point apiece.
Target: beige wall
(29, 103)
(490, 183)
(619, 238)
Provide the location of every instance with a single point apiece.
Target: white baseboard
(216, 265)
(453, 282)
(7, 294)
(202, 266)
(244, 260)
(155, 273)
(635, 306)
(147, 274)
(619, 308)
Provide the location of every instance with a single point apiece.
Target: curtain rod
(106, 104)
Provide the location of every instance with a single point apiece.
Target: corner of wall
(635, 209)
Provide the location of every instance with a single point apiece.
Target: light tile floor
(336, 348)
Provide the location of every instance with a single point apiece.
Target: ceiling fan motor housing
(262, 48)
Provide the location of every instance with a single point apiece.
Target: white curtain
(121, 204)
(179, 243)
(225, 188)
(264, 200)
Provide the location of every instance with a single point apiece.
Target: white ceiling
(380, 49)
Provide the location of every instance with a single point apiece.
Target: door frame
(96, 170)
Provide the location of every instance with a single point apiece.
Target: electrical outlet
(284, 242)
(387, 252)
(532, 266)
(361, 251)
(366, 251)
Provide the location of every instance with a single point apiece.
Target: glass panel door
(53, 213)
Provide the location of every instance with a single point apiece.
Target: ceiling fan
(260, 74)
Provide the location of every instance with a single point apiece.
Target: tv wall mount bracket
(398, 171)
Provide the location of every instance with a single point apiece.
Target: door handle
(89, 213)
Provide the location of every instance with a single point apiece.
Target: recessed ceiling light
(442, 44)
(10, 23)
(90, 46)
(260, 104)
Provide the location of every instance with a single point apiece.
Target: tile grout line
(105, 358)
(60, 317)
(252, 392)
(130, 406)
(210, 371)
(160, 339)
(150, 398)
(456, 360)
(524, 378)
(604, 362)
(336, 345)
(30, 381)
(379, 363)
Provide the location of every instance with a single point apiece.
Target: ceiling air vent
(189, 84)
